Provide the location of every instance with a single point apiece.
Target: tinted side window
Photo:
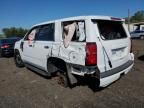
(141, 31)
(46, 33)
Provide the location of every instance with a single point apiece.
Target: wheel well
(62, 67)
(16, 51)
(57, 63)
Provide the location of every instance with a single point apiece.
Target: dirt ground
(22, 88)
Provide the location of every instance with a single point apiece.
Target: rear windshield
(110, 30)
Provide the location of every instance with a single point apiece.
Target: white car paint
(117, 50)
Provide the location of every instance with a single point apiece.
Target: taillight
(5, 46)
(91, 54)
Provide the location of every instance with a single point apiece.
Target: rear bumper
(116, 70)
(83, 70)
(110, 76)
(106, 77)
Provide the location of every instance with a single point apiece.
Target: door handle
(46, 47)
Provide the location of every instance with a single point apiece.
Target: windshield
(110, 30)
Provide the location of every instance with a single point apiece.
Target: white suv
(94, 46)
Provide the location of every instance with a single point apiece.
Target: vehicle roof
(80, 18)
(10, 38)
(5, 39)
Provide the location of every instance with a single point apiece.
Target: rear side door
(115, 42)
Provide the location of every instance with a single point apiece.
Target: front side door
(42, 45)
(28, 46)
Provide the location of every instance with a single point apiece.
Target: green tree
(138, 16)
(1, 36)
(13, 31)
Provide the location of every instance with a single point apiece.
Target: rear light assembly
(91, 54)
(5, 46)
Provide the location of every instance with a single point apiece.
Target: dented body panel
(70, 37)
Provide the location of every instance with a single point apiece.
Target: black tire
(63, 79)
(18, 60)
(0, 55)
(64, 74)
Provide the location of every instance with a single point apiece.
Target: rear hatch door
(115, 43)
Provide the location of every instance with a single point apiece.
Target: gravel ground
(22, 88)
